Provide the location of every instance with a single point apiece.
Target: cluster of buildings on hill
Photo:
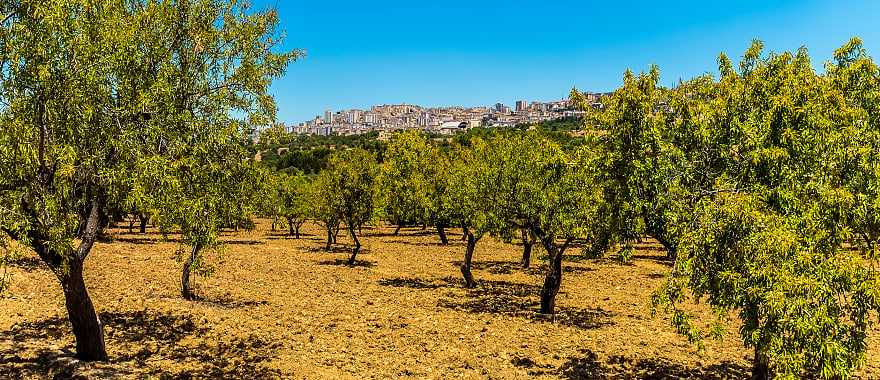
(439, 120)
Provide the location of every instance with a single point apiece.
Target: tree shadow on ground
(227, 301)
(344, 262)
(302, 236)
(659, 259)
(28, 264)
(137, 341)
(504, 298)
(144, 239)
(422, 244)
(589, 366)
(243, 242)
(333, 249)
(508, 267)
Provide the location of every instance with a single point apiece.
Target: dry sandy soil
(284, 308)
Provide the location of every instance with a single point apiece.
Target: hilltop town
(438, 120)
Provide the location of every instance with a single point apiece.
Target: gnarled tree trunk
(357, 244)
(528, 242)
(553, 279)
(185, 289)
(468, 258)
(441, 230)
(87, 326)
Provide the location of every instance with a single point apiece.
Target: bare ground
(283, 308)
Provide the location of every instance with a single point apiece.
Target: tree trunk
(357, 244)
(468, 258)
(185, 289)
(441, 230)
(131, 225)
(464, 234)
(336, 234)
(528, 242)
(397, 230)
(296, 230)
(760, 367)
(274, 221)
(553, 280)
(144, 219)
(291, 227)
(87, 326)
(329, 238)
(527, 255)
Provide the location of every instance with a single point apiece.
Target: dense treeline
(761, 183)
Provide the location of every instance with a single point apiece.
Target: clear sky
(460, 52)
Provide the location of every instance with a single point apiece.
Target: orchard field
(281, 307)
(156, 221)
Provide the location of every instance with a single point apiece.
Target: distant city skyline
(472, 53)
(512, 105)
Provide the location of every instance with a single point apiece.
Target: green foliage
(309, 153)
(404, 178)
(771, 165)
(346, 193)
(292, 200)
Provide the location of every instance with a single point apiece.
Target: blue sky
(455, 52)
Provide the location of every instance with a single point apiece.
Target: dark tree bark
(760, 367)
(464, 233)
(441, 230)
(397, 229)
(468, 258)
(185, 289)
(296, 230)
(553, 279)
(131, 225)
(528, 242)
(760, 362)
(87, 326)
(336, 234)
(329, 238)
(143, 219)
(292, 228)
(84, 320)
(357, 244)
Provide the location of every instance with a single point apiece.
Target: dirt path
(278, 307)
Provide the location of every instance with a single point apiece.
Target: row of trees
(762, 185)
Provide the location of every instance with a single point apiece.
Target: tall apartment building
(328, 117)
(521, 105)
